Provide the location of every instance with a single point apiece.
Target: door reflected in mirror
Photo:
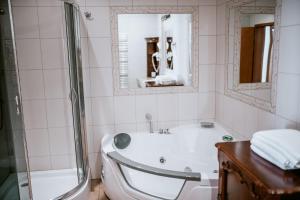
(155, 50)
(256, 47)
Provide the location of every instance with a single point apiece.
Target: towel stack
(281, 147)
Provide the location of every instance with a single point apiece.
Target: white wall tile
(51, 22)
(124, 109)
(59, 113)
(188, 106)
(23, 2)
(126, 128)
(48, 3)
(54, 53)
(207, 78)
(39, 163)
(101, 82)
(121, 2)
(88, 111)
(290, 12)
(29, 53)
(32, 85)
(288, 86)
(146, 104)
(84, 52)
(99, 26)
(168, 107)
(37, 142)
(207, 20)
(221, 16)
(90, 138)
(100, 52)
(34, 114)
(266, 120)
(103, 110)
(56, 83)
(207, 50)
(61, 141)
(220, 78)
(98, 133)
(95, 164)
(86, 81)
(25, 22)
(207, 2)
(206, 105)
(282, 123)
(143, 2)
(166, 2)
(221, 49)
(63, 162)
(188, 2)
(97, 2)
(289, 60)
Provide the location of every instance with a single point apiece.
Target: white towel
(267, 157)
(287, 139)
(285, 142)
(272, 152)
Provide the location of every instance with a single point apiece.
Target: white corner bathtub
(182, 165)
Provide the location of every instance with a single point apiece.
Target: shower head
(148, 116)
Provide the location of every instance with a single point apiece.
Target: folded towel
(270, 151)
(269, 158)
(287, 139)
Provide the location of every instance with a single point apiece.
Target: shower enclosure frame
(76, 97)
(72, 25)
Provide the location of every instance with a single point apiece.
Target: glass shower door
(76, 88)
(14, 176)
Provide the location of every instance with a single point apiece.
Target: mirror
(252, 48)
(256, 47)
(158, 55)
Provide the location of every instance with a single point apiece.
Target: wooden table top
(264, 173)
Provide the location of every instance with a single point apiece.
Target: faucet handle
(161, 131)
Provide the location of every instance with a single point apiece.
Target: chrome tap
(148, 117)
(164, 131)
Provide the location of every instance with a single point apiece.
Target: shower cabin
(17, 180)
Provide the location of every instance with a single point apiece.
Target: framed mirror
(162, 56)
(252, 42)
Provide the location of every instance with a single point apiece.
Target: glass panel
(14, 175)
(76, 87)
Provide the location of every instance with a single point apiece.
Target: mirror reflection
(256, 47)
(158, 54)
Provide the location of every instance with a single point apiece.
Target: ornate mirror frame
(194, 11)
(233, 88)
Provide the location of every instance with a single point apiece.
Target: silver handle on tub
(117, 157)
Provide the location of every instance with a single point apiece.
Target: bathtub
(181, 165)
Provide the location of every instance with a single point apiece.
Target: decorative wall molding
(232, 86)
(194, 11)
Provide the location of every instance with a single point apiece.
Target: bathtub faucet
(164, 131)
(148, 117)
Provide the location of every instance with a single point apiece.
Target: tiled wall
(244, 119)
(44, 79)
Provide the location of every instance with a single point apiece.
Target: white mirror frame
(115, 11)
(235, 90)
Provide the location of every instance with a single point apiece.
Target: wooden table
(244, 175)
